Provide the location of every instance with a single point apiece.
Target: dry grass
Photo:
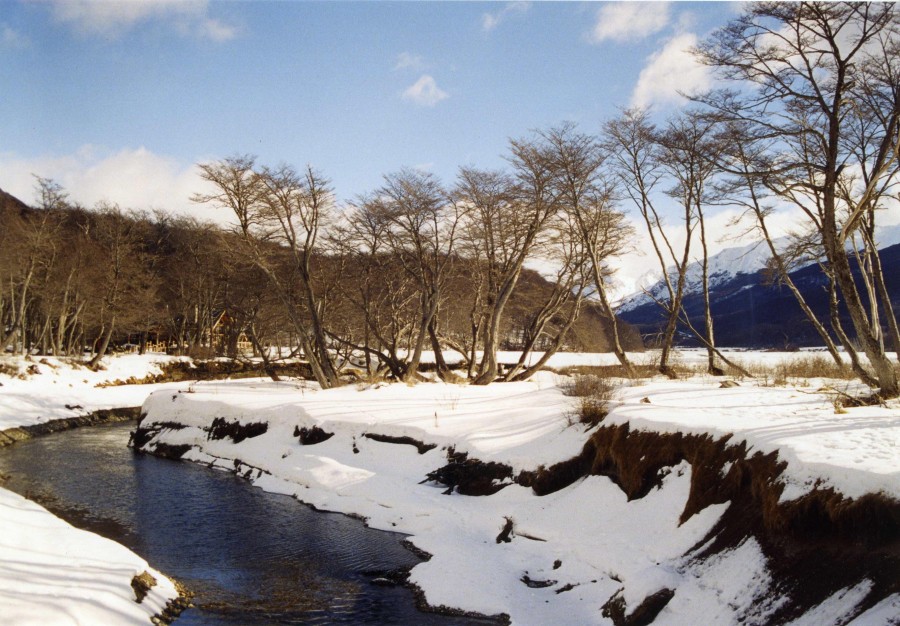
(594, 393)
(802, 368)
(608, 371)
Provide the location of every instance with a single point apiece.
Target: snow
(587, 543)
(42, 396)
(855, 453)
(52, 573)
(606, 545)
(725, 265)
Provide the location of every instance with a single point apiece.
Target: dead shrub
(594, 395)
(640, 370)
(802, 367)
(9, 369)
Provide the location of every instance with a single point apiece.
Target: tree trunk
(104, 344)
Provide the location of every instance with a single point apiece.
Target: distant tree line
(77, 280)
(809, 120)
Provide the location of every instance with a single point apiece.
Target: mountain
(750, 312)
(723, 267)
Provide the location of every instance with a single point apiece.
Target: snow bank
(855, 453)
(50, 571)
(47, 388)
(54, 573)
(571, 551)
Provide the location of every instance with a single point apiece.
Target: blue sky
(356, 89)
(118, 101)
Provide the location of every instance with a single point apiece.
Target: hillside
(749, 311)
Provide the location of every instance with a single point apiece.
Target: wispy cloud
(669, 72)
(490, 21)
(10, 38)
(114, 19)
(409, 61)
(629, 21)
(425, 92)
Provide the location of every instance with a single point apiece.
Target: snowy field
(569, 552)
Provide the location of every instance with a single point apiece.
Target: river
(250, 557)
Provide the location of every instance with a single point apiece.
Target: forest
(806, 120)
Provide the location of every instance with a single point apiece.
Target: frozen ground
(54, 385)
(53, 573)
(570, 551)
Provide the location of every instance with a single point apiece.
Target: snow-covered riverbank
(52, 573)
(577, 550)
(583, 554)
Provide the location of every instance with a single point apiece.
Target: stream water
(250, 557)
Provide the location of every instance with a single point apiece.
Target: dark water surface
(250, 557)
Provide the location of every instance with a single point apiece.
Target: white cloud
(409, 61)
(113, 19)
(629, 21)
(215, 30)
(10, 38)
(131, 178)
(669, 72)
(425, 92)
(490, 21)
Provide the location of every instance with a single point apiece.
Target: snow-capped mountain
(724, 267)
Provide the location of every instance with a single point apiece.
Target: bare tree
(589, 201)
(30, 242)
(507, 217)
(632, 142)
(126, 287)
(804, 72)
(422, 230)
(688, 153)
(278, 212)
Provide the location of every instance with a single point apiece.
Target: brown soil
(471, 477)
(816, 545)
(236, 431)
(311, 436)
(418, 445)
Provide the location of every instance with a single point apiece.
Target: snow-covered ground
(570, 551)
(52, 573)
(57, 389)
(574, 549)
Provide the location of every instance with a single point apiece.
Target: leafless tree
(633, 144)
(809, 78)
(279, 213)
(421, 226)
(589, 201)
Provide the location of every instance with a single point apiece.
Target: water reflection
(251, 557)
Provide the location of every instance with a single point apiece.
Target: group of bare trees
(811, 113)
(808, 120)
(418, 265)
(69, 276)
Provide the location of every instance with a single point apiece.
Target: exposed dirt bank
(815, 545)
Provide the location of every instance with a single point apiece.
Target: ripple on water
(250, 557)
